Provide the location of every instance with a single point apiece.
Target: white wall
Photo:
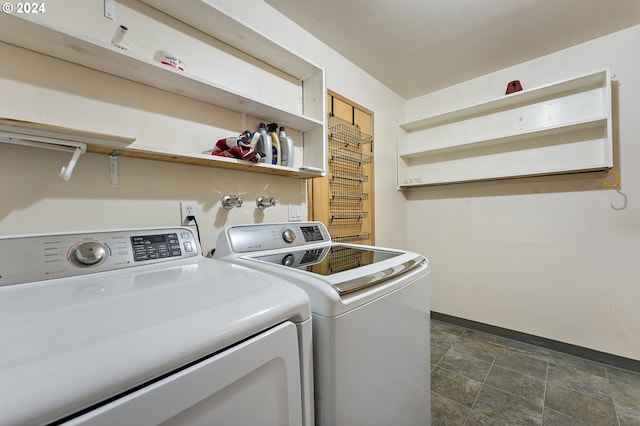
(547, 256)
(43, 89)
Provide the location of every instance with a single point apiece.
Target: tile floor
(482, 379)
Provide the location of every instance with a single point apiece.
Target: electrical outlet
(187, 208)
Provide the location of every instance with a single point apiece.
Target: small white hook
(65, 172)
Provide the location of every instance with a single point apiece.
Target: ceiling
(418, 46)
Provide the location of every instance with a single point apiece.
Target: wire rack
(347, 133)
(346, 189)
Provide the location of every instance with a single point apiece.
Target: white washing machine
(370, 310)
(136, 327)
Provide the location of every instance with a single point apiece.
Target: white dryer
(136, 327)
(370, 314)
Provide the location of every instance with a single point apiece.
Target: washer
(370, 310)
(137, 327)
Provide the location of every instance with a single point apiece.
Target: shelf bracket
(77, 148)
(113, 169)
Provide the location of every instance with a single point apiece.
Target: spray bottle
(286, 148)
(275, 144)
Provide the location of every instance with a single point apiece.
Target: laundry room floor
(482, 379)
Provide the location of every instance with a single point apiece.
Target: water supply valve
(264, 202)
(231, 201)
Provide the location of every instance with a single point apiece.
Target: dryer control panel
(47, 256)
(271, 236)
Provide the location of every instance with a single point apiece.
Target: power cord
(193, 218)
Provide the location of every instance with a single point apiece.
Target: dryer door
(256, 382)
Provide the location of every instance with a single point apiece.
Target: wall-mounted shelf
(24, 31)
(200, 15)
(175, 156)
(559, 128)
(66, 139)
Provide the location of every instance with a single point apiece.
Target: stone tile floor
(482, 379)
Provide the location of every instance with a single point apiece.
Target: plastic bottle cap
(169, 59)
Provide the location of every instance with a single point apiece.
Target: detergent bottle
(275, 144)
(264, 145)
(286, 148)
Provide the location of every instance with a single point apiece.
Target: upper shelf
(210, 20)
(25, 32)
(564, 127)
(509, 101)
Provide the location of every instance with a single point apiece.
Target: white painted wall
(546, 256)
(43, 89)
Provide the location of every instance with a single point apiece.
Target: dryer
(370, 315)
(137, 327)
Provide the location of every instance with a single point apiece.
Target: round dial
(88, 253)
(288, 260)
(288, 235)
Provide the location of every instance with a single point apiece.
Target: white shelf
(60, 43)
(62, 138)
(175, 156)
(524, 97)
(563, 127)
(201, 15)
(599, 122)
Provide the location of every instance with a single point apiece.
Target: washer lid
(349, 261)
(69, 343)
(319, 259)
(339, 258)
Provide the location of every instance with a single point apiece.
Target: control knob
(88, 253)
(288, 260)
(288, 235)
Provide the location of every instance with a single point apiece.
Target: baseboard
(569, 349)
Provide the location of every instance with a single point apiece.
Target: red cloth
(238, 147)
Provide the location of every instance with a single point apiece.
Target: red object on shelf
(514, 86)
